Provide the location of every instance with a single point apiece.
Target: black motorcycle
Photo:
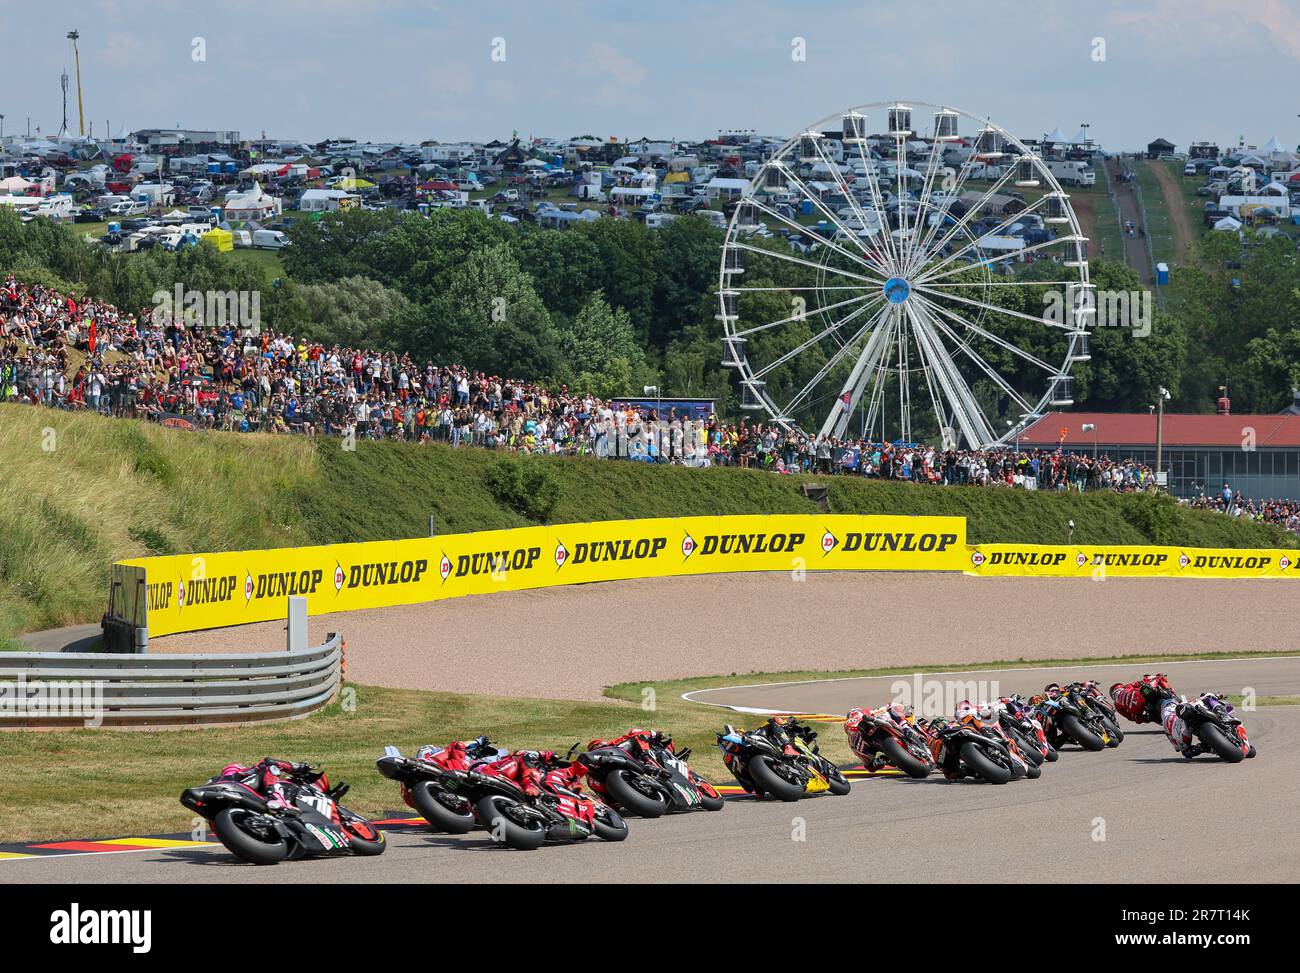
(1212, 720)
(1096, 699)
(644, 776)
(422, 783)
(970, 751)
(1070, 720)
(780, 758)
(316, 826)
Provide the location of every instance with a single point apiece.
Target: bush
(529, 489)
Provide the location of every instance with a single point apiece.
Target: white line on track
(689, 697)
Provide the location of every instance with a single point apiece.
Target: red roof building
(1256, 454)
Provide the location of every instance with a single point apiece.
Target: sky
(409, 70)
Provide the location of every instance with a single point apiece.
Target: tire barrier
(65, 689)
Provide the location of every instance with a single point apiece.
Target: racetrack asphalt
(1136, 813)
(572, 642)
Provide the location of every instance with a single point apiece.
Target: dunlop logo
(750, 543)
(594, 552)
(895, 541)
(375, 574)
(1129, 560)
(496, 562)
(1035, 558)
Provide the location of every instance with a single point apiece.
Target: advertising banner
(188, 592)
(1069, 561)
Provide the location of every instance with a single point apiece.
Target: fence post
(296, 637)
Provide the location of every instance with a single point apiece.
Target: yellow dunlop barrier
(189, 592)
(1046, 560)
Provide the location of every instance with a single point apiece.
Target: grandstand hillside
(78, 491)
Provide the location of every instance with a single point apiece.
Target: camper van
(270, 240)
(1070, 172)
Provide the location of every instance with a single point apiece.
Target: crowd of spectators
(1284, 513)
(154, 366)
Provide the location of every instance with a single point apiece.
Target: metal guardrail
(75, 689)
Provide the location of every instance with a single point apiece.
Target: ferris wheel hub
(897, 290)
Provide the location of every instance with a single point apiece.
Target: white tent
(1057, 137)
(1227, 223)
(1080, 137)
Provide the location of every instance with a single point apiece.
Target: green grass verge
(1159, 228)
(105, 783)
(80, 491)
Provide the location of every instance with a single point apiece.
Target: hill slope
(79, 491)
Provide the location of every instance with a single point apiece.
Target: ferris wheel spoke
(963, 172)
(837, 421)
(932, 270)
(805, 314)
(844, 287)
(970, 417)
(860, 261)
(803, 346)
(965, 348)
(878, 206)
(965, 219)
(791, 258)
(867, 258)
(1001, 342)
(856, 207)
(831, 362)
(924, 202)
(1002, 258)
(993, 308)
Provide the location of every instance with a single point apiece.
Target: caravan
(1070, 172)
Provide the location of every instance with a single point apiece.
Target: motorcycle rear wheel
(1216, 740)
(243, 844)
(522, 837)
(904, 759)
(629, 797)
(772, 782)
(425, 798)
(1081, 734)
(984, 766)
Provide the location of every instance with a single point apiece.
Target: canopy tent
(1057, 137)
(1228, 223)
(353, 184)
(223, 240)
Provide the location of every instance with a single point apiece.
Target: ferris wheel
(891, 285)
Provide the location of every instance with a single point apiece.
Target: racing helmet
(854, 718)
(966, 710)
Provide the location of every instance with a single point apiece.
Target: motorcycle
(977, 752)
(1019, 723)
(1212, 719)
(781, 759)
(523, 821)
(646, 776)
(1068, 719)
(1091, 692)
(901, 744)
(319, 826)
(422, 779)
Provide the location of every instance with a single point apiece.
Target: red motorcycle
(891, 736)
(554, 808)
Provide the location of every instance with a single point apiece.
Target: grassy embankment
(93, 490)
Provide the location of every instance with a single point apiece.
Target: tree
(353, 312)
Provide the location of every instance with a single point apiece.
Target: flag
(94, 335)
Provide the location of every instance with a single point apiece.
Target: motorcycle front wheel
(710, 799)
(513, 830)
(1216, 740)
(627, 795)
(984, 766)
(428, 800)
(773, 783)
(609, 825)
(230, 827)
(838, 783)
